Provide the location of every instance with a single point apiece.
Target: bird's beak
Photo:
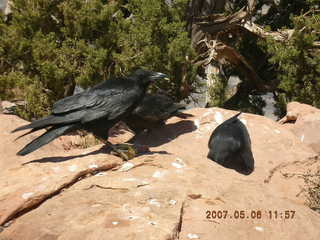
(159, 75)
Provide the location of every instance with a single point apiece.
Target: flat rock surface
(164, 194)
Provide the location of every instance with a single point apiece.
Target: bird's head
(145, 77)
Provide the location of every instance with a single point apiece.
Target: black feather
(47, 137)
(95, 110)
(153, 111)
(230, 146)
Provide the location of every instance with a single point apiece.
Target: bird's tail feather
(237, 115)
(38, 124)
(31, 131)
(47, 137)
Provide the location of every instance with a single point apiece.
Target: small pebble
(197, 123)
(218, 117)
(72, 168)
(126, 166)
(158, 174)
(193, 236)
(27, 195)
(100, 174)
(260, 229)
(154, 202)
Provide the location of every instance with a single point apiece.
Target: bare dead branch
(282, 35)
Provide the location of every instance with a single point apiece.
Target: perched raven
(153, 111)
(230, 146)
(95, 110)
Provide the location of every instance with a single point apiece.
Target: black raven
(230, 146)
(95, 110)
(153, 111)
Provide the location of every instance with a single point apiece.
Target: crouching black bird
(95, 110)
(153, 111)
(230, 146)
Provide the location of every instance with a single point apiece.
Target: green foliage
(298, 62)
(158, 40)
(49, 46)
(218, 91)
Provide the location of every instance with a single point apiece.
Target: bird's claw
(125, 151)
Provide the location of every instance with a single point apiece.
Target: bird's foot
(124, 150)
(127, 151)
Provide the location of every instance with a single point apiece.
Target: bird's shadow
(164, 133)
(238, 166)
(154, 138)
(103, 149)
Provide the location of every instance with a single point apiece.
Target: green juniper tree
(49, 46)
(297, 62)
(158, 40)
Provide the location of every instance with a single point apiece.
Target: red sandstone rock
(164, 194)
(304, 121)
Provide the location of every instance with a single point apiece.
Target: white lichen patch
(260, 229)
(172, 202)
(100, 174)
(93, 166)
(27, 195)
(158, 174)
(277, 131)
(72, 168)
(302, 138)
(193, 236)
(178, 163)
(196, 122)
(115, 223)
(154, 202)
(218, 117)
(126, 166)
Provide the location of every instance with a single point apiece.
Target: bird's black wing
(89, 98)
(112, 106)
(81, 101)
(87, 106)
